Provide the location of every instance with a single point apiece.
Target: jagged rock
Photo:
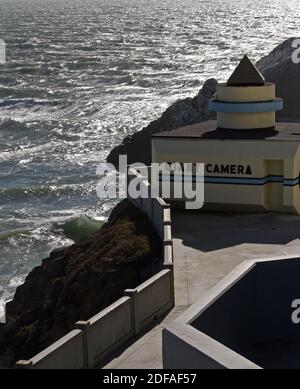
(76, 282)
(183, 112)
(279, 68)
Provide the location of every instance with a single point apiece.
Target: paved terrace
(206, 247)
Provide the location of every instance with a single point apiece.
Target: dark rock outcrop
(76, 282)
(276, 67)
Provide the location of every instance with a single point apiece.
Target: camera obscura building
(251, 162)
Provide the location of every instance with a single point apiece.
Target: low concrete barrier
(95, 339)
(151, 299)
(67, 353)
(108, 330)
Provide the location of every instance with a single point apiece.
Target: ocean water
(82, 74)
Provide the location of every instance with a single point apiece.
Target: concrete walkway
(206, 248)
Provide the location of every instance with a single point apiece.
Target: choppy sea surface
(82, 74)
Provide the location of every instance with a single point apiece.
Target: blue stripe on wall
(234, 180)
(251, 107)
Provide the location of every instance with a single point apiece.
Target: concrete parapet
(152, 299)
(108, 330)
(66, 353)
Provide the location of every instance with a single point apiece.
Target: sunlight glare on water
(81, 75)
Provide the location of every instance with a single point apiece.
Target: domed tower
(246, 101)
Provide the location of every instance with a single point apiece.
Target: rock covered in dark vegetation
(76, 282)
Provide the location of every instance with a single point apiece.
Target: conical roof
(245, 74)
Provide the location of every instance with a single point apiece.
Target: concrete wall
(259, 190)
(152, 299)
(276, 287)
(67, 353)
(245, 321)
(187, 348)
(94, 340)
(231, 318)
(255, 309)
(215, 332)
(108, 330)
(178, 353)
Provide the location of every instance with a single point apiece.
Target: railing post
(169, 264)
(132, 293)
(84, 326)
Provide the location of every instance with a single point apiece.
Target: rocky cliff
(76, 282)
(279, 68)
(276, 67)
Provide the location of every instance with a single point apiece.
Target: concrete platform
(208, 246)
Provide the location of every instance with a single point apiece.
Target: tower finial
(246, 74)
